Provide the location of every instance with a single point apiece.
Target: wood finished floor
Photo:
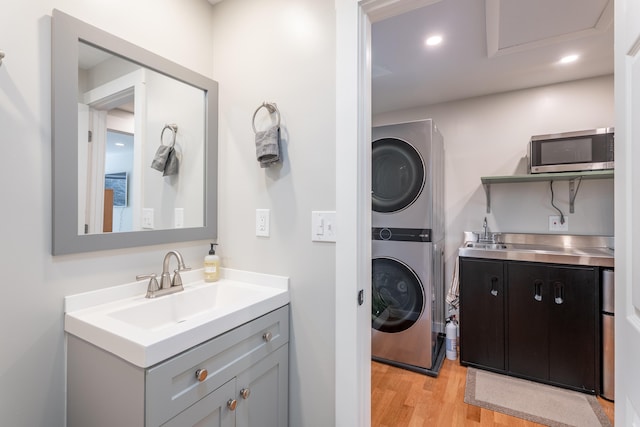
(402, 398)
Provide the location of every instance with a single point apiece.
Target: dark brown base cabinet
(482, 313)
(531, 320)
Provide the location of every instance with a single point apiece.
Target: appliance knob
(385, 234)
(245, 392)
(231, 404)
(201, 374)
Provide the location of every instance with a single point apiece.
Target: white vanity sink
(146, 331)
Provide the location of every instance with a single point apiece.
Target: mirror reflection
(129, 117)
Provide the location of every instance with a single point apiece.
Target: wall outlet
(323, 226)
(555, 225)
(262, 222)
(147, 218)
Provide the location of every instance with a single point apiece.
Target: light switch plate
(147, 218)
(178, 218)
(323, 226)
(555, 225)
(262, 222)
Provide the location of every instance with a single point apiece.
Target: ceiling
(488, 47)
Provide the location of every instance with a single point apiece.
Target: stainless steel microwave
(572, 151)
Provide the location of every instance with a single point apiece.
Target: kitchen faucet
(488, 236)
(485, 233)
(168, 285)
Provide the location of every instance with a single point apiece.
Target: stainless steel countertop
(548, 248)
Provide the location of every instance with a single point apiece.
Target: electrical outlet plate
(262, 222)
(555, 225)
(323, 226)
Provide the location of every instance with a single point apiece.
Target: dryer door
(398, 175)
(397, 296)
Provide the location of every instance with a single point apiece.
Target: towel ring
(174, 130)
(271, 108)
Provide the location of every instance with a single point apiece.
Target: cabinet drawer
(172, 385)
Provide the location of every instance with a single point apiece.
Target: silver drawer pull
(201, 374)
(267, 336)
(231, 404)
(245, 392)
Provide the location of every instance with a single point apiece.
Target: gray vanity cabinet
(262, 392)
(246, 382)
(210, 411)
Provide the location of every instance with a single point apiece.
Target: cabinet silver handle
(537, 290)
(558, 290)
(245, 392)
(267, 336)
(494, 291)
(231, 404)
(201, 374)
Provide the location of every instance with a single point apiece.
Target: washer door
(398, 175)
(397, 296)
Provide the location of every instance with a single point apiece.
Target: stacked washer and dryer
(408, 319)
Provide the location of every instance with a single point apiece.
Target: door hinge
(90, 136)
(86, 229)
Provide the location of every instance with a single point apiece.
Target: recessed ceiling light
(569, 59)
(433, 40)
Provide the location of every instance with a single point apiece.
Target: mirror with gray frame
(118, 109)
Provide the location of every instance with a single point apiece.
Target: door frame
(353, 203)
(627, 205)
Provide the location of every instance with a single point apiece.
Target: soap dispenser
(211, 265)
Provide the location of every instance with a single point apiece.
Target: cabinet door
(573, 332)
(214, 410)
(528, 320)
(263, 392)
(552, 329)
(482, 336)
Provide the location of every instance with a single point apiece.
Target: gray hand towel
(166, 161)
(162, 155)
(268, 146)
(172, 166)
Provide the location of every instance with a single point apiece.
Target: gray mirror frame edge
(66, 32)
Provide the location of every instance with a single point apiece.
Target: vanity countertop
(147, 331)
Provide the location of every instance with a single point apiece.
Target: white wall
(488, 136)
(283, 51)
(32, 389)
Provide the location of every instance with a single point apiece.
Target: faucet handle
(153, 286)
(177, 279)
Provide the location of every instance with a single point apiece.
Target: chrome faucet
(485, 231)
(168, 285)
(489, 236)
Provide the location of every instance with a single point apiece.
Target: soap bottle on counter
(211, 265)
